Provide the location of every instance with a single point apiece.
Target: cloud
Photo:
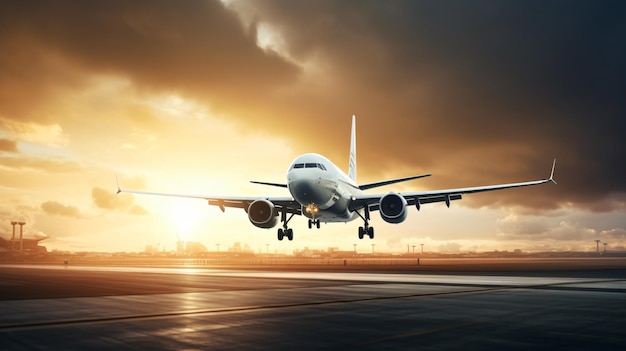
(513, 224)
(474, 94)
(449, 247)
(198, 47)
(8, 145)
(108, 200)
(138, 210)
(39, 164)
(565, 230)
(51, 134)
(57, 208)
(615, 234)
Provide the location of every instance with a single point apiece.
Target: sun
(185, 217)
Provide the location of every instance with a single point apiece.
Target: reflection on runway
(222, 309)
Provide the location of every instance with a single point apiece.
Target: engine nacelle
(392, 208)
(262, 214)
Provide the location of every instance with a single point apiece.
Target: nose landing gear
(314, 222)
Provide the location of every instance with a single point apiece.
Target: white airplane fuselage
(323, 190)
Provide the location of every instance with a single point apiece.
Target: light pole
(21, 238)
(217, 246)
(598, 245)
(354, 248)
(267, 250)
(373, 248)
(413, 249)
(422, 248)
(605, 244)
(13, 223)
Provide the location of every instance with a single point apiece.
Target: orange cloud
(57, 208)
(138, 210)
(108, 200)
(8, 145)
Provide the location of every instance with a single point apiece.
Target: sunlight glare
(185, 216)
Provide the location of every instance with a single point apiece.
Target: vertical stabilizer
(352, 166)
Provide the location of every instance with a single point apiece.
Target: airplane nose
(302, 190)
(307, 192)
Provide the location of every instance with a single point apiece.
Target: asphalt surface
(105, 308)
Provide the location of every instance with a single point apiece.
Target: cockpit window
(309, 165)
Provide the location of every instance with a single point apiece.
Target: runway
(104, 308)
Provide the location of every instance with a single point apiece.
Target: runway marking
(426, 331)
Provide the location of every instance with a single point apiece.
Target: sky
(203, 96)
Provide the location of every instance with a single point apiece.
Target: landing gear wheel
(285, 231)
(369, 231)
(365, 229)
(313, 222)
(281, 234)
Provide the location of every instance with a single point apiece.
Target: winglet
(119, 190)
(552, 173)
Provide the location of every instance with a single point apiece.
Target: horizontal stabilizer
(270, 184)
(390, 181)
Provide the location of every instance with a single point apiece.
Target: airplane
(322, 192)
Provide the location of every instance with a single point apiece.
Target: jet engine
(262, 214)
(393, 208)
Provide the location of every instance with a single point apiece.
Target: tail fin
(352, 166)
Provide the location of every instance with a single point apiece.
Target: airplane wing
(288, 204)
(419, 198)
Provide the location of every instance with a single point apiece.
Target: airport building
(28, 246)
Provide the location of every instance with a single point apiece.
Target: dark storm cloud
(473, 92)
(197, 47)
(508, 85)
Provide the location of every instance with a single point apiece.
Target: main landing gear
(366, 229)
(285, 231)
